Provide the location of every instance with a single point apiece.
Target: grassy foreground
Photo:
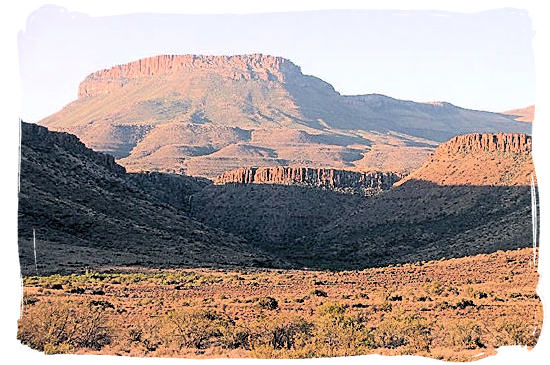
(456, 309)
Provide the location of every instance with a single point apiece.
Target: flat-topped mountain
(479, 159)
(203, 115)
(366, 183)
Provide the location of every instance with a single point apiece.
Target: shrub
(319, 293)
(268, 303)
(463, 303)
(514, 331)
(399, 329)
(192, 328)
(338, 334)
(56, 327)
(465, 334)
(271, 335)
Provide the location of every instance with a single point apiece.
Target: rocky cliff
(325, 178)
(479, 159)
(487, 142)
(241, 67)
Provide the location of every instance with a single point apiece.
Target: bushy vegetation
(284, 314)
(58, 327)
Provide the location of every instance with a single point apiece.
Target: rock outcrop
(241, 67)
(503, 159)
(487, 142)
(325, 178)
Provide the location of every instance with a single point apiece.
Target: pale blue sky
(479, 60)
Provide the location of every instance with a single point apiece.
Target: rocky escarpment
(241, 67)
(479, 159)
(487, 142)
(326, 178)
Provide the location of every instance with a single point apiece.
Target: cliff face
(325, 178)
(479, 159)
(487, 142)
(242, 67)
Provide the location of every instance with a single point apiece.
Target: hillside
(443, 210)
(203, 115)
(526, 114)
(88, 212)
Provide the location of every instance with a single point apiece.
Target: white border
(13, 20)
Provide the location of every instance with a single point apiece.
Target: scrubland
(455, 309)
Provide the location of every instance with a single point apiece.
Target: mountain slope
(203, 115)
(526, 114)
(86, 211)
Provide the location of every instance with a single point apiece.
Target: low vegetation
(431, 309)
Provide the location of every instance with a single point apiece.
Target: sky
(478, 60)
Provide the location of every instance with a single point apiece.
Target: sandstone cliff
(241, 67)
(325, 178)
(487, 142)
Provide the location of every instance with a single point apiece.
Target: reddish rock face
(498, 159)
(242, 67)
(487, 142)
(326, 178)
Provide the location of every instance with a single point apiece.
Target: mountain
(473, 196)
(86, 211)
(203, 115)
(526, 114)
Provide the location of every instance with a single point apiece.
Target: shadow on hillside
(294, 227)
(417, 221)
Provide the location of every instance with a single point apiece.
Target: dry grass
(451, 309)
